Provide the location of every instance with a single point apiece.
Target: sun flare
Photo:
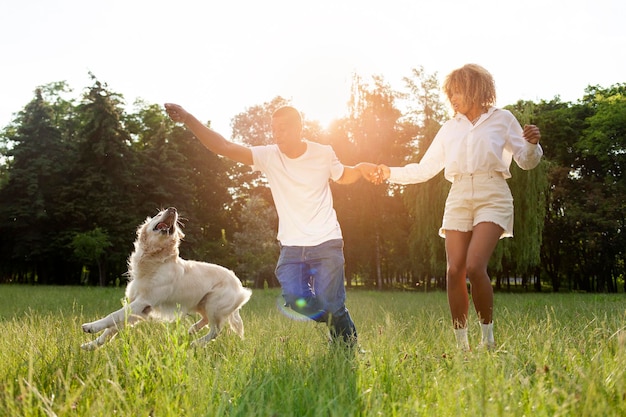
(320, 89)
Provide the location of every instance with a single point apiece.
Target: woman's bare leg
(485, 237)
(457, 244)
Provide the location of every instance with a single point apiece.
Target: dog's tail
(234, 320)
(246, 294)
(236, 323)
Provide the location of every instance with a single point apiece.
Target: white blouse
(462, 148)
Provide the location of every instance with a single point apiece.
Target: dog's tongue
(163, 226)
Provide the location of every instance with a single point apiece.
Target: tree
(583, 239)
(602, 147)
(30, 226)
(520, 256)
(177, 170)
(561, 124)
(104, 177)
(371, 133)
(425, 202)
(162, 173)
(255, 245)
(90, 247)
(68, 170)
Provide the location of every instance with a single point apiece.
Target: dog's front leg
(101, 340)
(130, 313)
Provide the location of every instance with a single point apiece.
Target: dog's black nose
(172, 210)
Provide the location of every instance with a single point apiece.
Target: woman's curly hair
(474, 82)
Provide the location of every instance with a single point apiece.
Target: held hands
(532, 134)
(375, 174)
(176, 112)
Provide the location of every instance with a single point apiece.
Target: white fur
(163, 285)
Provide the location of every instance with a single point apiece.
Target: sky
(217, 59)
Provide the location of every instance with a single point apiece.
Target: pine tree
(30, 227)
(103, 180)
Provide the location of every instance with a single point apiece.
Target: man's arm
(212, 140)
(352, 174)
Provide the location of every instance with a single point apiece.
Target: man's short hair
(288, 112)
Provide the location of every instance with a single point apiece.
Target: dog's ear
(140, 230)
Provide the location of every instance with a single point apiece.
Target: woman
(474, 149)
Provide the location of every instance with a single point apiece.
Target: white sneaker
(462, 341)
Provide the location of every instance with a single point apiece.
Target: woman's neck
(474, 113)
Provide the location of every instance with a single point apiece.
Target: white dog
(163, 285)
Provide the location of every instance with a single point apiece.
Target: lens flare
(293, 314)
(288, 312)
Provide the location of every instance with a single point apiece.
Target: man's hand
(176, 112)
(367, 170)
(375, 174)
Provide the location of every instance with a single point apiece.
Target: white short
(477, 198)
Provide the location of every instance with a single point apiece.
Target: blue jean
(312, 282)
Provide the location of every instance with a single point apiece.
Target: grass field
(558, 355)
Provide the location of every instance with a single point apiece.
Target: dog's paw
(199, 343)
(89, 328)
(89, 346)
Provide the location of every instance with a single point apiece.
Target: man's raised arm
(212, 140)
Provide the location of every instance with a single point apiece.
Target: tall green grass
(558, 355)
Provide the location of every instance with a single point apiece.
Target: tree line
(78, 175)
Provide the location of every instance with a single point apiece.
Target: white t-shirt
(462, 148)
(301, 191)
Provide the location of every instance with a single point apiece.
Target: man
(310, 268)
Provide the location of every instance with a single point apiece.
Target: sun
(324, 101)
(320, 89)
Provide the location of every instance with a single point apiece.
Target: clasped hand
(373, 173)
